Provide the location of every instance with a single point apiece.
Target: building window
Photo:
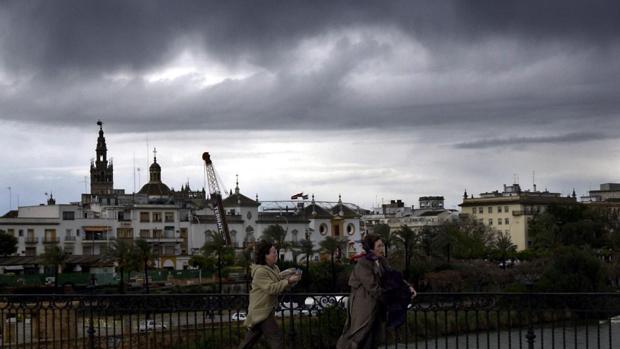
(474, 210)
(506, 220)
(125, 233)
(350, 229)
(21, 232)
(499, 221)
(50, 235)
(156, 216)
(506, 209)
(31, 251)
(490, 209)
(144, 217)
(169, 217)
(294, 235)
(499, 209)
(481, 221)
(88, 251)
(490, 221)
(145, 233)
(68, 216)
(480, 209)
(323, 229)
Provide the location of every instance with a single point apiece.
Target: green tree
(216, 247)
(332, 245)
(144, 255)
(306, 248)
(8, 243)
(55, 257)
(408, 240)
(122, 252)
(573, 269)
(503, 248)
(383, 230)
(277, 235)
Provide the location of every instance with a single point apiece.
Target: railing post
(291, 332)
(530, 336)
(91, 328)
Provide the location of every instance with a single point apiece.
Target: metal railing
(434, 320)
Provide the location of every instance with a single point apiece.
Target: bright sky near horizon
(371, 100)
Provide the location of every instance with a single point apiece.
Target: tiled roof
(239, 200)
(346, 211)
(321, 213)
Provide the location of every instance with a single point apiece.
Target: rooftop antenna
(534, 179)
(138, 169)
(134, 172)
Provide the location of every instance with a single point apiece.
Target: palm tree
(408, 239)
(54, 256)
(276, 234)
(306, 247)
(388, 238)
(504, 247)
(123, 253)
(216, 245)
(331, 245)
(144, 254)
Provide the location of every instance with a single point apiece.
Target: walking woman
(366, 310)
(267, 284)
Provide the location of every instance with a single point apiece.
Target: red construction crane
(216, 199)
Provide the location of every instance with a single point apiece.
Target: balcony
(98, 239)
(70, 239)
(31, 240)
(51, 240)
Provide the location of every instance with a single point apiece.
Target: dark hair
(262, 249)
(368, 243)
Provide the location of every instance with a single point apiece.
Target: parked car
(239, 316)
(151, 325)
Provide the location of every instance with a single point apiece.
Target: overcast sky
(374, 100)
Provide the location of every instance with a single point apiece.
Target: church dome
(155, 167)
(155, 189)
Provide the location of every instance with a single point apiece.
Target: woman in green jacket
(267, 284)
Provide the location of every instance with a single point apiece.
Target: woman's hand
(413, 292)
(294, 278)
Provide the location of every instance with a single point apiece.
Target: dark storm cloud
(54, 56)
(93, 36)
(513, 141)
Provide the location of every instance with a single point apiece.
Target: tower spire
(101, 171)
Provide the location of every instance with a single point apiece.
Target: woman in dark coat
(366, 310)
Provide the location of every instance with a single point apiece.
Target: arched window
(294, 235)
(350, 229)
(323, 229)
